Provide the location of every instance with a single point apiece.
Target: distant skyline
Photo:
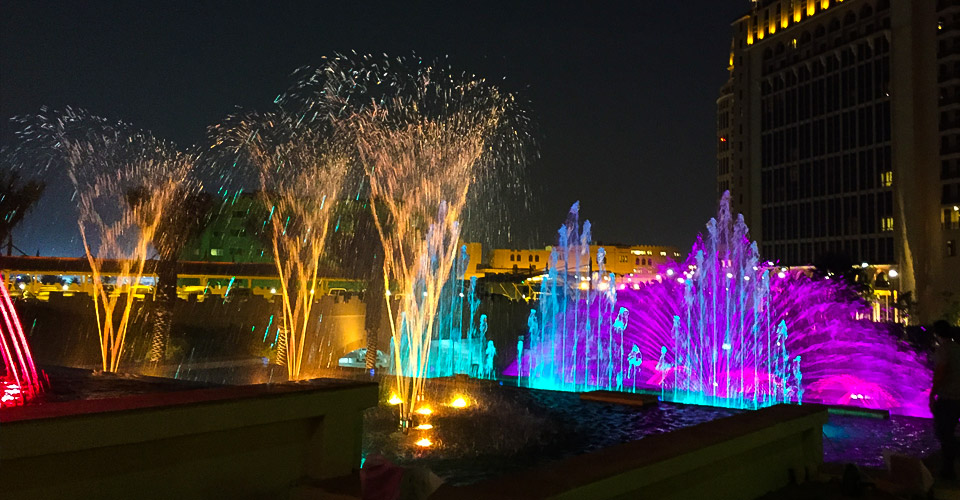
(623, 94)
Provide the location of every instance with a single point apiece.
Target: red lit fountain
(19, 381)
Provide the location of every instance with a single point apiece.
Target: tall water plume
(575, 339)
(303, 166)
(107, 161)
(425, 135)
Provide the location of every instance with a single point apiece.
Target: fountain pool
(507, 430)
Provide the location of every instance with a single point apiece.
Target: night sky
(623, 94)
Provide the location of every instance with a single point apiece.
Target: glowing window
(216, 251)
(886, 178)
(886, 224)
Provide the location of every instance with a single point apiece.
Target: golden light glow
(825, 4)
(424, 411)
(424, 443)
(459, 403)
(811, 8)
(423, 427)
(394, 399)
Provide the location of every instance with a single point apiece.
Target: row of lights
(458, 402)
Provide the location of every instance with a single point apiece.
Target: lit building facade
(228, 237)
(839, 133)
(640, 261)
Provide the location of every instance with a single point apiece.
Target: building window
(637, 263)
(536, 258)
(951, 218)
(216, 252)
(663, 254)
(512, 258)
(529, 258)
(886, 178)
(886, 224)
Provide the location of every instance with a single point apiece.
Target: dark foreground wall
(234, 442)
(736, 458)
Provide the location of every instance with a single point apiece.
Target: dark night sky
(623, 93)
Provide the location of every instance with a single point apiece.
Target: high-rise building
(839, 133)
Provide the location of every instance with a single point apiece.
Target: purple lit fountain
(723, 329)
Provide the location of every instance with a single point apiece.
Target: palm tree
(359, 251)
(175, 230)
(16, 199)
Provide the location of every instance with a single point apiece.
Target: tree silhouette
(176, 229)
(359, 251)
(17, 197)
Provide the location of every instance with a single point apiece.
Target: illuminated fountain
(19, 381)
(107, 162)
(722, 328)
(425, 135)
(302, 168)
(575, 338)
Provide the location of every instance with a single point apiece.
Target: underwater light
(424, 443)
(423, 427)
(394, 400)
(425, 411)
(459, 403)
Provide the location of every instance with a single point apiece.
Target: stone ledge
(230, 442)
(766, 445)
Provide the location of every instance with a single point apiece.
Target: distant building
(641, 261)
(229, 237)
(839, 133)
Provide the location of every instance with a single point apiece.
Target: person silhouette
(488, 360)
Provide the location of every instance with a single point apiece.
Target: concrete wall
(236, 442)
(739, 457)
